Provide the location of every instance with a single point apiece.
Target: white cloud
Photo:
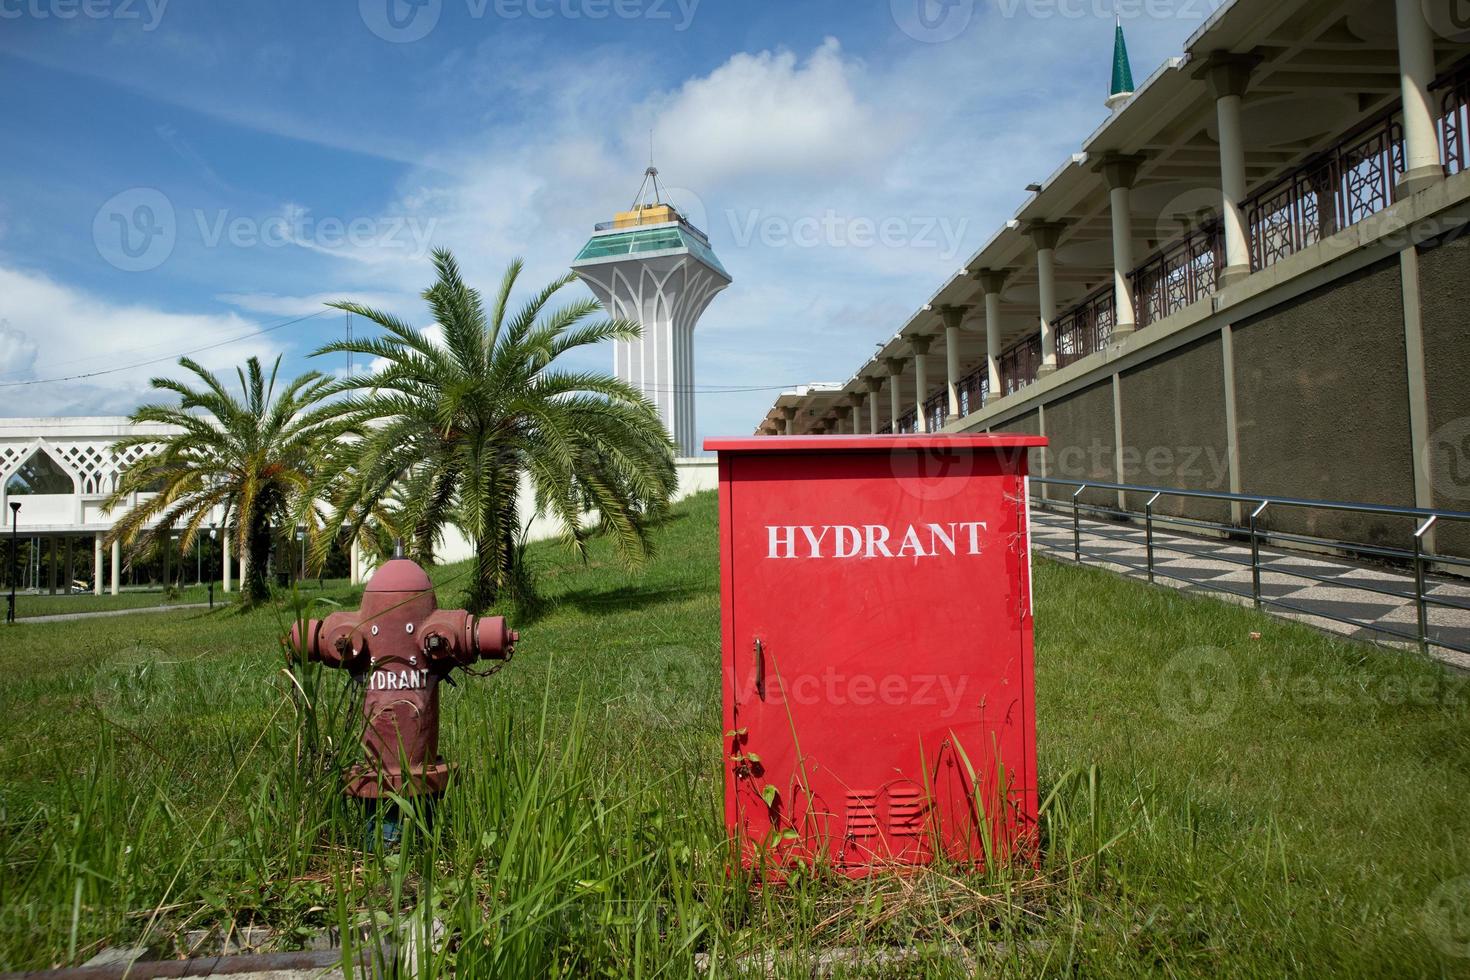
(771, 115)
(54, 330)
(272, 304)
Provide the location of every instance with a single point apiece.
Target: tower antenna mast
(649, 175)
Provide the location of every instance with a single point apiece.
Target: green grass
(27, 606)
(1219, 804)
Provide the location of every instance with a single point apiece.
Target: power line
(161, 359)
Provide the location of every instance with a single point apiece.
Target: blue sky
(180, 174)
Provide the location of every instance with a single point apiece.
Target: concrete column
(952, 316)
(1121, 172)
(857, 413)
(1422, 162)
(97, 565)
(226, 560)
(355, 563)
(920, 346)
(116, 577)
(1228, 76)
(895, 407)
(873, 385)
(70, 566)
(1418, 383)
(168, 554)
(992, 281)
(1044, 235)
(51, 565)
(788, 421)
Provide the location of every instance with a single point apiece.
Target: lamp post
(14, 556)
(213, 528)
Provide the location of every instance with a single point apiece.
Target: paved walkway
(1376, 602)
(67, 617)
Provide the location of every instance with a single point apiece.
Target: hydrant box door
(878, 675)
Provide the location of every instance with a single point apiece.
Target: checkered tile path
(1361, 601)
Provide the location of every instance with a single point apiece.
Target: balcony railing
(1086, 327)
(1182, 273)
(974, 391)
(1019, 364)
(1454, 119)
(936, 410)
(1335, 189)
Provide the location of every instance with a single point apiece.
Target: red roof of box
(806, 444)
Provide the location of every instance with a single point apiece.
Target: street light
(14, 556)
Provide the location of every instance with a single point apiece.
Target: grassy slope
(1287, 804)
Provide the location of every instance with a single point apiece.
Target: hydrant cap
(399, 575)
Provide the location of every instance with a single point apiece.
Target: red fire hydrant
(401, 644)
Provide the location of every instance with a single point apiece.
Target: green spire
(1122, 72)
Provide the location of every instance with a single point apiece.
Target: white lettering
(874, 540)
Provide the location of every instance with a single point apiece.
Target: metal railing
(1019, 364)
(908, 423)
(1086, 328)
(1181, 273)
(1414, 556)
(974, 391)
(1454, 118)
(936, 410)
(1339, 187)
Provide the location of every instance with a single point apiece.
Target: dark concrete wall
(1444, 277)
(1080, 428)
(1322, 405)
(1027, 425)
(1174, 432)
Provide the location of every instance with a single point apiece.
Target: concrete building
(1252, 277)
(649, 264)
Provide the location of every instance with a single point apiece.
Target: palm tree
(254, 457)
(454, 426)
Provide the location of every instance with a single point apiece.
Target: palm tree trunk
(254, 553)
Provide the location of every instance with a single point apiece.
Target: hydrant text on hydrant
(844, 541)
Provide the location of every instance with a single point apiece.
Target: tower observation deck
(651, 265)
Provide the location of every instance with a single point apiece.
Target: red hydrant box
(876, 615)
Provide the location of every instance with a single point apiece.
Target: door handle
(760, 669)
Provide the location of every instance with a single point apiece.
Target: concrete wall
(1165, 445)
(696, 474)
(1084, 443)
(1322, 405)
(1028, 424)
(1444, 273)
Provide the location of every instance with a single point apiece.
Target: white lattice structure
(83, 449)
